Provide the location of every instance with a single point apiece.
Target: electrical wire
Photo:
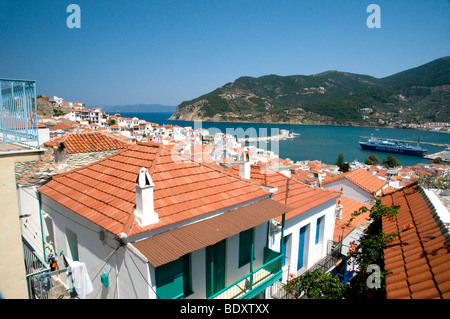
(141, 273)
(105, 260)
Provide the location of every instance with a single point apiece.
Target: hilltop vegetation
(416, 95)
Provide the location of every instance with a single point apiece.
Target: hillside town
(123, 208)
(221, 148)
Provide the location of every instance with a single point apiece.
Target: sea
(315, 142)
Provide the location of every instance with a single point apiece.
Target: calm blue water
(317, 142)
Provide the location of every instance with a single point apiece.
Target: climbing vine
(315, 285)
(369, 252)
(367, 255)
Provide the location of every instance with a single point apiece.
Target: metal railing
(256, 281)
(18, 112)
(33, 262)
(278, 292)
(34, 266)
(333, 256)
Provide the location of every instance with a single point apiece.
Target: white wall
(233, 272)
(130, 275)
(350, 190)
(43, 135)
(31, 225)
(313, 252)
(125, 269)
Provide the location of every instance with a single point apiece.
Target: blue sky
(165, 52)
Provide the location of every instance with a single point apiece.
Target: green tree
(372, 160)
(340, 160)
(391, 161)
(316, 285)
(370, 251)
(343, 166)
(430, 181)
(437, 160)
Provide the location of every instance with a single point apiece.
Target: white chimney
(244, 166)
(145, 211)
(339, 208)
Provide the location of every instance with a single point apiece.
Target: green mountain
(420, 94)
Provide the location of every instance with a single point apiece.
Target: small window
(319, 228)
(72, 244)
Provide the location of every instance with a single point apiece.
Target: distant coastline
(139, 108)
(306, 124)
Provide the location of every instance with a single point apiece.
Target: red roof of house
(419, 257)
(360, 177)
(88, 142)
(61, 127)
(104, 192)
(342, 227)
(300, 197)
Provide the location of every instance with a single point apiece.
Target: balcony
(256, 281)
(18, 113)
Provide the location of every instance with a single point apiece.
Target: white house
(309, 226)
(151, 224)
(358, 184)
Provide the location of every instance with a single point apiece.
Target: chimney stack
(339, 208)
(244, 166)
(60, 154)
(145, 210)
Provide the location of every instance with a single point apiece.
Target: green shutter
(215, 267)
(245, 246)
(173, 279)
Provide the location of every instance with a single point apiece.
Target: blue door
(301, 247)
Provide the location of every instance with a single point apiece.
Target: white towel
(81, 281)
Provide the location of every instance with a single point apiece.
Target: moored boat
(380, 145)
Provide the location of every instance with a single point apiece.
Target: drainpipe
(251, 261)
(42, 227)
(283, 220)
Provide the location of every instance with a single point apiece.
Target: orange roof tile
(342, 227)
(360, 177)
(88, 142)
(61, 127)
(419, 257)
(300, 197)
(183, 189)
(167, 246)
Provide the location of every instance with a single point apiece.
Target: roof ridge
(155, 160)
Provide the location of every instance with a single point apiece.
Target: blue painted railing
(18, 112)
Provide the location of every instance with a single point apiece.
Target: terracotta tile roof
(61, 127)
(168, 246)
(104, 192)
(300, 197)
(88, 142)
(419, 257)
(342, 227)
(360, 177)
